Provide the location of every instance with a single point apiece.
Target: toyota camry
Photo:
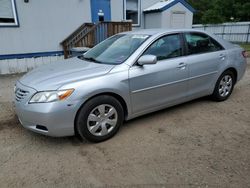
(125, 76)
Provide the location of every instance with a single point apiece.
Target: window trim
(200, 33)
(139, 13)
(183, 53)
(170, 34)
(14, 10)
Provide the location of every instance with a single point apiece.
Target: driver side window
(166, 47)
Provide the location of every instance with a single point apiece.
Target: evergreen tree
(219, 11)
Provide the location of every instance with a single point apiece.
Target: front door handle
(182, 65)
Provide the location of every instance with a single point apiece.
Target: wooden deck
(89, 34)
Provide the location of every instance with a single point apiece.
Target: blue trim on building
(183, 2)
(17, 19)
(30, 55)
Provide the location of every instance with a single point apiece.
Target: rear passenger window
(166, 47)
(198, 43)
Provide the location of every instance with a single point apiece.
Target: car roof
(160, 31)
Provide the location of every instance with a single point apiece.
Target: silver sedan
(126, 76)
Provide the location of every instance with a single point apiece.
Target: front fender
(115, 83)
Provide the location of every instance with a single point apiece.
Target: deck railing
(88, 35)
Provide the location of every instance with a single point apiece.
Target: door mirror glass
(147, 60)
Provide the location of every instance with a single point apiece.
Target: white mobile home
(31, 31)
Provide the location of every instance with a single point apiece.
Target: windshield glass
(115, 50)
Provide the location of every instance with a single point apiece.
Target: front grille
(20, 94)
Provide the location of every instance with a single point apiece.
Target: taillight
(244, 54)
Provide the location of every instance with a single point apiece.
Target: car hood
(54, 75)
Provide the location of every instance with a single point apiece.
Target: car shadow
(14, 127)
(168, 110)
(77, 141)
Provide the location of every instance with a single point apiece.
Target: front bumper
(56, 118)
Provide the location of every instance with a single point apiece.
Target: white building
(31, 30)
(170, 14)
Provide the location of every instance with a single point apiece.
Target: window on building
(132, 11)
(8, 16)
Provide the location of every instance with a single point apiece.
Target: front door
(100, 10)
(163, 83)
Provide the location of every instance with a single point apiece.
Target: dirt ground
(198, 144)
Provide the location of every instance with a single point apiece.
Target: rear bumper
(242, 69)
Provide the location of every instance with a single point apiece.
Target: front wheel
(224, 86)
(100, 118)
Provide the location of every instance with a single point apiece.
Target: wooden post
(65, 52)
(223, 31)
(248, 33)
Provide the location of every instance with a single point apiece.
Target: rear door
(205, 56)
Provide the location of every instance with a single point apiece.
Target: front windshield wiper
(89, 59)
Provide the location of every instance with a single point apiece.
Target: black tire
(82, 126)
(217, 96)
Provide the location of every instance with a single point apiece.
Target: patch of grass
(246, 46)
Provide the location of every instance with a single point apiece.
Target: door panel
(163, 83)
(206, 57)
(203, 70)
(104, 6)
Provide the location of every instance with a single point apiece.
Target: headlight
(50, 96)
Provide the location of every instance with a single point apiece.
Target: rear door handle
(182, 65)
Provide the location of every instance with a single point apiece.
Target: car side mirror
(147, 60)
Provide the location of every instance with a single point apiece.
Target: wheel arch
(234, 71)
(115, 95)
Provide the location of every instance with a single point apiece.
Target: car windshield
(116, 49)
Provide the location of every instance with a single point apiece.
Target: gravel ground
(197, 144)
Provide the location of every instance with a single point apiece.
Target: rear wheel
(100, 118)
(224, 86)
